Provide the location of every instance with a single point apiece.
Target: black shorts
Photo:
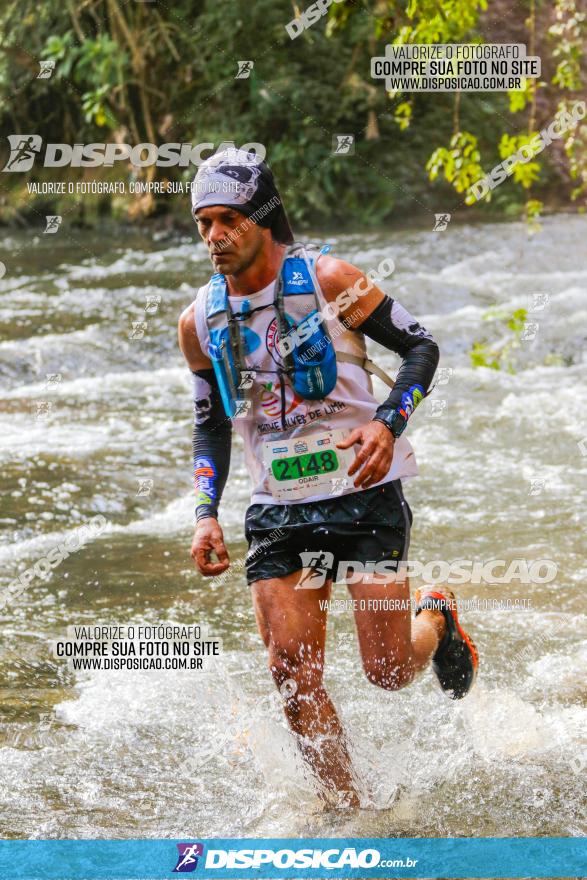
(372, 525)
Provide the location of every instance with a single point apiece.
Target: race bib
(306, 466)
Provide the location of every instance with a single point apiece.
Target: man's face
(231, 254)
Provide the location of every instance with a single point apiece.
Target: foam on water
(117, 384)
(169, 259)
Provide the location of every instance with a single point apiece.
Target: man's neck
(259, 274)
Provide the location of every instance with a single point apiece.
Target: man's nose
(218, 232)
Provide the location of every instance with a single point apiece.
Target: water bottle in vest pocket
(314, 358)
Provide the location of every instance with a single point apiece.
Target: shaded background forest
(154, 72)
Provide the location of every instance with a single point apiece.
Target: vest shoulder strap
(216, 296)
(366, 364)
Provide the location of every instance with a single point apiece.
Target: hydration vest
(308, 354)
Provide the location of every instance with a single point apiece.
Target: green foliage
(441, 21)
(520, 98)
(533, 209)
(444, 21)
(403, 115)
(95, 65)
(135, 72)
(569, 32)
(524, 173)
(501, 356)
(459, 163)
(482, 356)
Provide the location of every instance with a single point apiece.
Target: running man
(295, 319)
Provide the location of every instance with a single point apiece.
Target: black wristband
(392, 419)
(203, 512)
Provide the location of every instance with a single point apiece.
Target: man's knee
(388, 674)
(296, 671)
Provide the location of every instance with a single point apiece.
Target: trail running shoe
(456, 660)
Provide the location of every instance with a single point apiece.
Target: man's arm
(211, 450)
(384, 320)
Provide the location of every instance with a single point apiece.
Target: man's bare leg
(393, 646)
(293, 627)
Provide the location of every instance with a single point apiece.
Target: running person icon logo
(339, 485)
(23, 150)
(46, 69)
(247, 380)
(244, 69)
(343, 145)
(188, 857)
(53, 222)
(441, 222)
(315, 567)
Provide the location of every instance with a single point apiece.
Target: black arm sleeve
(211, 444)
(393, 327)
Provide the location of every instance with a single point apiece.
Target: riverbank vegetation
(145, 72)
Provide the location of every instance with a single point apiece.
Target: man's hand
(375, 455)
(208, 537)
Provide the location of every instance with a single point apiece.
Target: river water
(95, 416)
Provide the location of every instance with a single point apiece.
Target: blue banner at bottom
(528, 857)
